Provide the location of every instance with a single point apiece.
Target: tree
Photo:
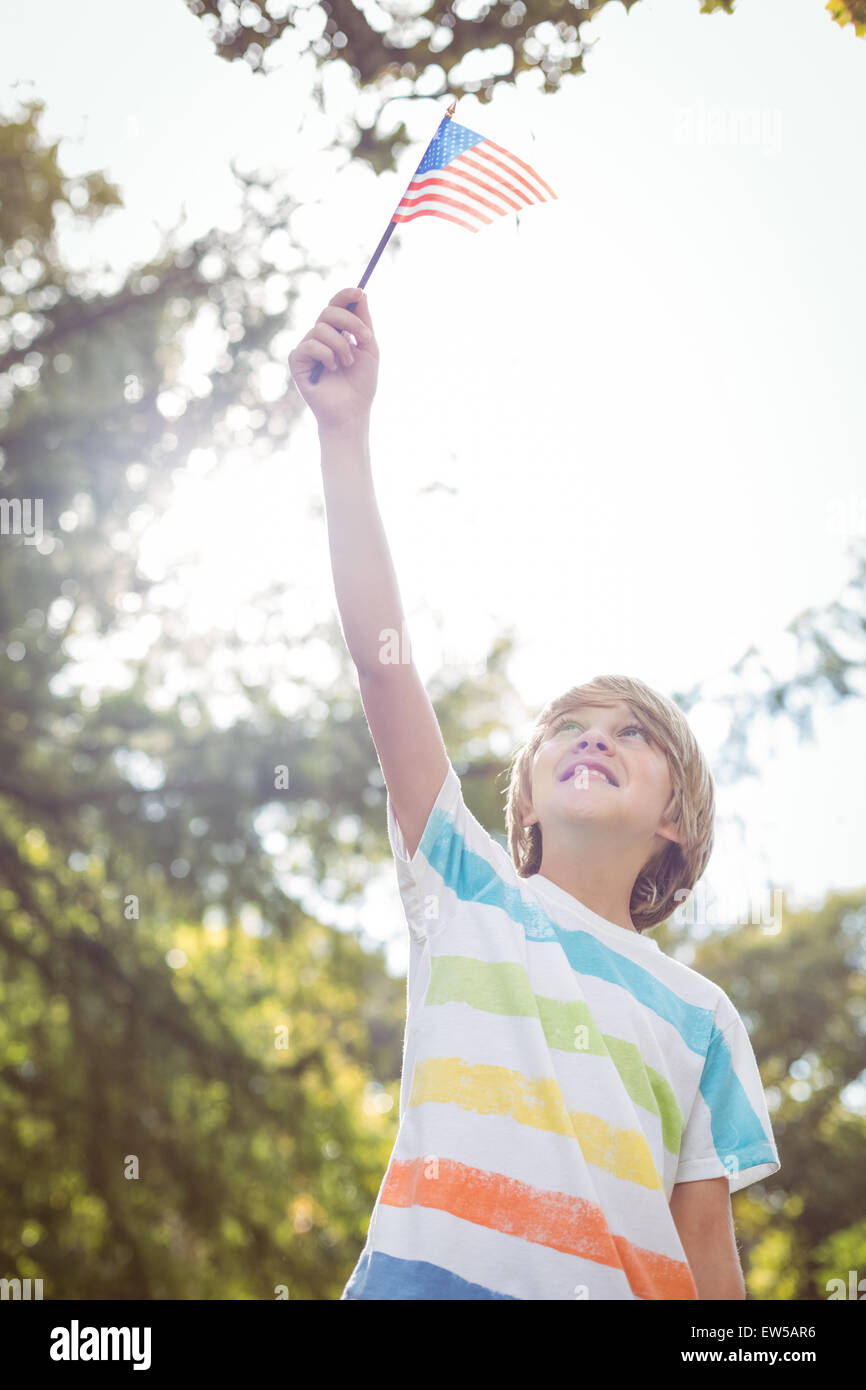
(801, 991)
(407, 55)
(188, 1113)
(198, 1080)
(831, 651)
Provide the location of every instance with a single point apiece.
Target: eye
(572, 723)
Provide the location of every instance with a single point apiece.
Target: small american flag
(469, 180)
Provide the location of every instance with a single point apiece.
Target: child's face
(614, 737)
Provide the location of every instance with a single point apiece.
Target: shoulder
(700, 989)
(716, 1008)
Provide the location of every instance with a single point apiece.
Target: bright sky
(643, 404)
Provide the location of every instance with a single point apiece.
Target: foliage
(801, 991)
(149, 949)
(128, 818)
(852, 12)
(830, 644)
(421, 52)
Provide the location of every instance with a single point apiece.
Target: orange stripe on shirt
(555, 1219)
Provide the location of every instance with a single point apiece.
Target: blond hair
(691, 807)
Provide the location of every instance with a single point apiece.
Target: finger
(340, 346)
(342, 319)
(311, 351)
(354, 296)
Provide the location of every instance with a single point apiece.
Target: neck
(600, 877)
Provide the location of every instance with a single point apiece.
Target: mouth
(591, 766)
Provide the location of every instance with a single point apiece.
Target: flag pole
(320, 366)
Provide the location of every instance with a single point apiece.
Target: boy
(576, 1107)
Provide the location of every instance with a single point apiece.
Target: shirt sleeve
(728, 1132)
(455, 861)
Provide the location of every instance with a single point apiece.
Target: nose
(594, 740)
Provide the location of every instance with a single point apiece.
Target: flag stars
(450, 141)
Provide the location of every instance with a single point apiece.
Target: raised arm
(402, 721)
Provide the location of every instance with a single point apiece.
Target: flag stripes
(467, 179)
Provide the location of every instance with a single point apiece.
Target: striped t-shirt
(560, 1075)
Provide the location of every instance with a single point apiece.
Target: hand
(344, 393)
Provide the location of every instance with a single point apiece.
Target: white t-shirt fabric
(560, 1075)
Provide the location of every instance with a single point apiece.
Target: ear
(670, 831)
(528, 817)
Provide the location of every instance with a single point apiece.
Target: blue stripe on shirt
(386, 1277)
